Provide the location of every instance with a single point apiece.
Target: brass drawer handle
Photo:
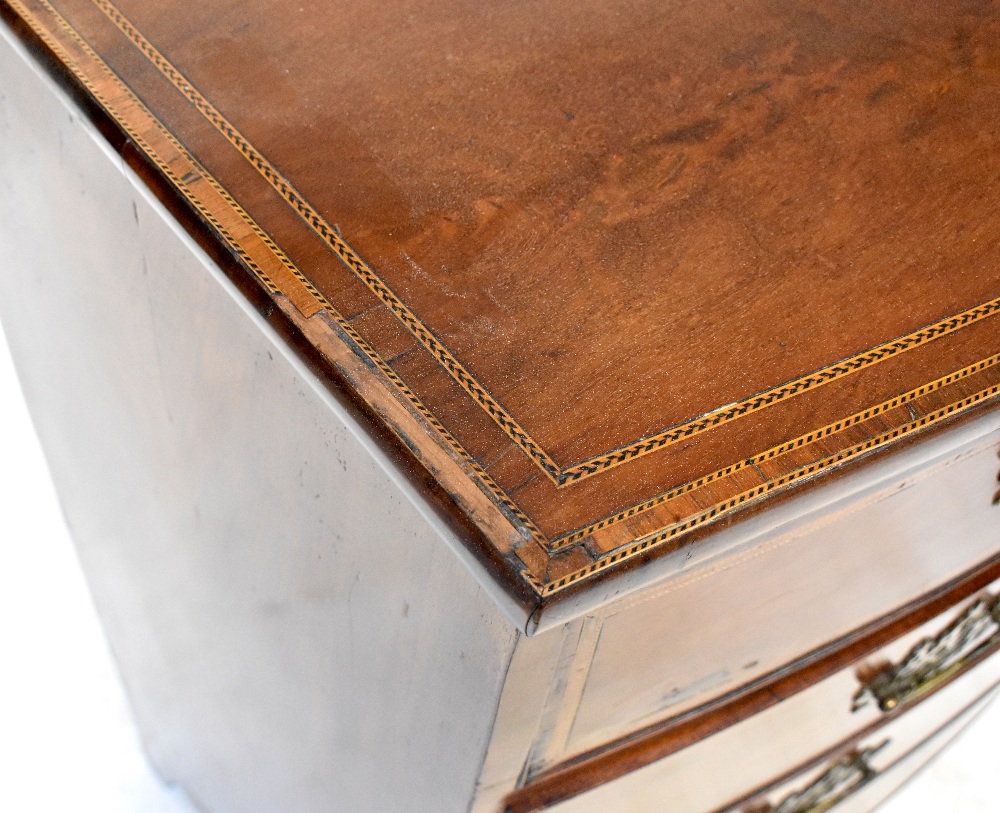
(932, 660)
(842, 778)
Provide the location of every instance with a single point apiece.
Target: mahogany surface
(602, 283)
(609, 272)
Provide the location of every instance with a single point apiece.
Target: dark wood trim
(651, 744)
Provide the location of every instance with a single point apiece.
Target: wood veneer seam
(560, 476)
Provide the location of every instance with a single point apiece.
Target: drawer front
(900, 693)
(859, 777)
(802, 588)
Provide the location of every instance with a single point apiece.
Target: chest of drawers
(519, 408)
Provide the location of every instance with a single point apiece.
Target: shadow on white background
(67, 740)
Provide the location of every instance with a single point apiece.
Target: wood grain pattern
(456, 369)
(755, 249)
(561, 475)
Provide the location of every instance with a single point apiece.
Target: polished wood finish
(700, 281)
(700, 371)
(628, 294)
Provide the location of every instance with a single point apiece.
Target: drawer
(901, 691)
(790, 592)
(859, 776)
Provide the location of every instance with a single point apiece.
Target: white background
(67, 741)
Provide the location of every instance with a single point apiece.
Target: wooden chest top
(609, 272)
